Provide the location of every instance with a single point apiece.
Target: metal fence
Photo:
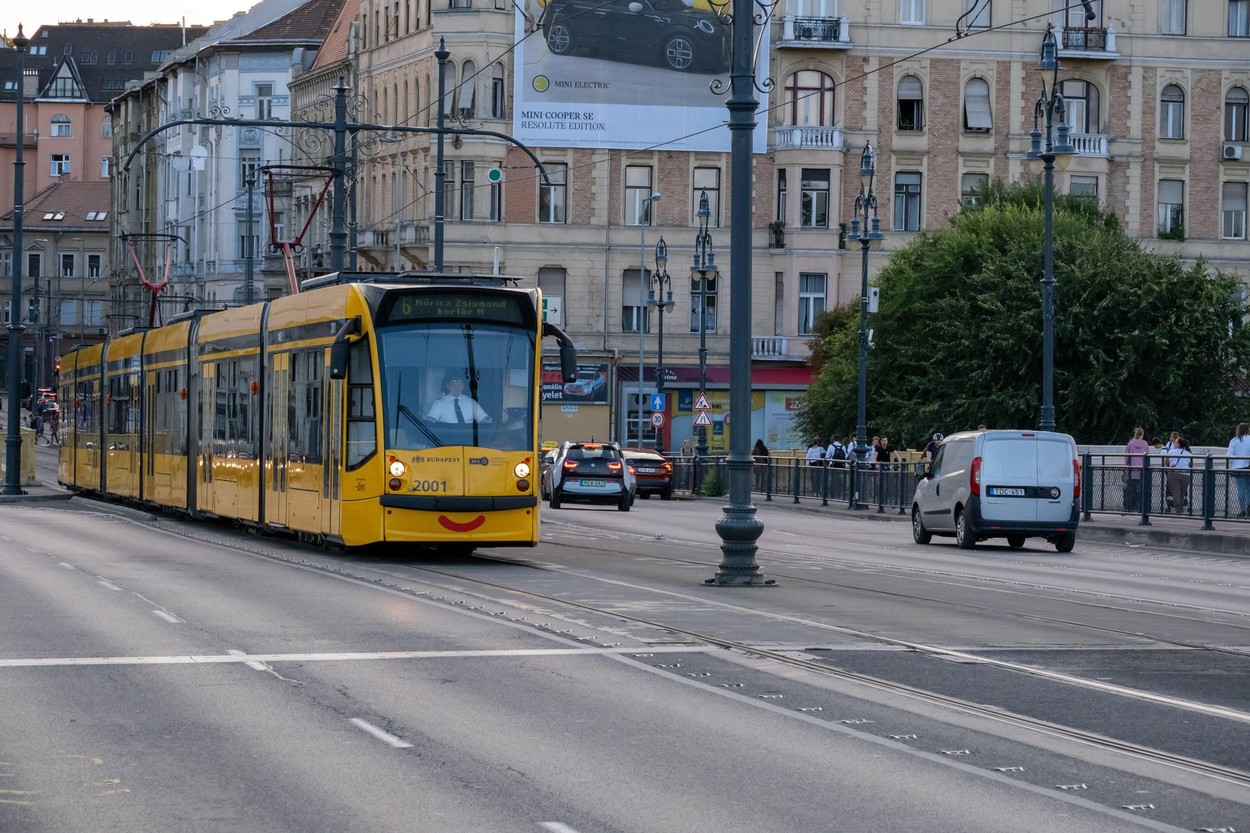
(1208, 491)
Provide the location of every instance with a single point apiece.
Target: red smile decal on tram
(456, 526)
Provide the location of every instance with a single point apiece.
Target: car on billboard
(588, 384)
(667, 33)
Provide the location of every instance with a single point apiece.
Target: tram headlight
(397, 468)
(521, 469)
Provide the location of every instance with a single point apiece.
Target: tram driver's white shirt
(444, 409)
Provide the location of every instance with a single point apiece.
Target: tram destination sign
(454, 305)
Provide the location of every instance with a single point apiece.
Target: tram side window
(170, 417)
(362, 429)
(118, 405)
(306, 405)
(234, 416)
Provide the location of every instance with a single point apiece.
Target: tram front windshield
(448, 384)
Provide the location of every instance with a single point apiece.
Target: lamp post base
(739, 529)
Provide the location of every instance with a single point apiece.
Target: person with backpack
(835, 454)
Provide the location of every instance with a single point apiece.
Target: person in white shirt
(1239, 465)
(455, 406)
(1179, 461)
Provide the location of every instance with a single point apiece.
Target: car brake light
(570, 464)
(974, 476)
(614, 466)
(668, 467)
(1076, 478)
(633, 470)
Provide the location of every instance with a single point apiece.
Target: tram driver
(455, 406)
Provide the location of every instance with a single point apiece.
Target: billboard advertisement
(626, 74)
(589, 388)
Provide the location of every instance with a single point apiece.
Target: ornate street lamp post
(1053, 150)
(704, 262)
(13, 436)
(656, 297)
(865, 202)
(646, 209)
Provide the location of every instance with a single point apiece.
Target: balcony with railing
(806, 137)
(1095, 43)
(815, 24)
(1091, 144)
(777, 348)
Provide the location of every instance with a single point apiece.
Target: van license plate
(1006, 491)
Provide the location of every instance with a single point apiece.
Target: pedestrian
(1171, 443)
(760, 451)
(1180, 460)
(687, 450)
(54, 428)
(885, 453)
(874, 452)
(1239, 466)
(1134, 458)
(931, 450)
(835, 454)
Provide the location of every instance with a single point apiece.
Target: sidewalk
(45, 488)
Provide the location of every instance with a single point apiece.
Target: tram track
(476, 594)
(980, 582)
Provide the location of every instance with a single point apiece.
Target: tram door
(305, 441)
(334, 444)
(207, 387)
(278, 438)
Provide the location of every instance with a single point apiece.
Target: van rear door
(1009, 470)
(1056, 473)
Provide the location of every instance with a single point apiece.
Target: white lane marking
(103, 582)
(168, 617)
(67, 566)
(556, 827)
(385, 737)
(250, 663)
(193, 659)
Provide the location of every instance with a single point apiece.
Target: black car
(591, 473)
(666, 32)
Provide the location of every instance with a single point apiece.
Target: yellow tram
(328, 414)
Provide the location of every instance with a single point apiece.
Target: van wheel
(918, 532)
(963, 536)
(1065, 542)
(1015, 541)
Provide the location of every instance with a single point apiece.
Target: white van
(1000, 484)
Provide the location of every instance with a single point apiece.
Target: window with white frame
(61, 127)
(1083, 186)
(95, 313)
(781, 196)
(1171, 214)
(907, 194)
(248, 240)
(911, 11)
(1233, 225)
(634, 312)
(1080, 100)
(706, 180)
(977, 118)
(1236, 110)
(811, 300)
(910, 104)
(68, 265)
(971, 186)
(814, 199)
(449, 188)
(93, 266)
(978, 14)
(468, 181)
(106, 167)
(34, 265)
(809, 99)
(6, 264)
(696, 304)
(498, 92)
(1239, 18)
(553, 198)
(638, 191)
(249, 168)
(1172, 113)
(106, 127)
(466, 94)
(264, 101)
(1174, 14)
(59, 165)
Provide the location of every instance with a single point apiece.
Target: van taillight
(1076, 478)
(974, 476)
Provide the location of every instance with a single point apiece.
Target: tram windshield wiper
(404, 411)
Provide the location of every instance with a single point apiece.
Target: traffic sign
(657, 401)
(703, 419)
(657, 418)
(701, 404)
(494, 175)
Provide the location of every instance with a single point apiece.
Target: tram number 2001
(429, 486)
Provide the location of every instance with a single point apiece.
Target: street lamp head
(854, 235)
(876, 234)
(704, 213)
(661, 256)
(1063, 148)
(1050, 52)
(19, 41)
(867, 169)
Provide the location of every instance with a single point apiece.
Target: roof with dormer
(65, 206)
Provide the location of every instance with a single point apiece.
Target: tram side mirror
(341, 348)
(568, 353)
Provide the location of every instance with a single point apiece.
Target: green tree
(1140, 339)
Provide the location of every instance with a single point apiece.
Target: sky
(136, 11)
